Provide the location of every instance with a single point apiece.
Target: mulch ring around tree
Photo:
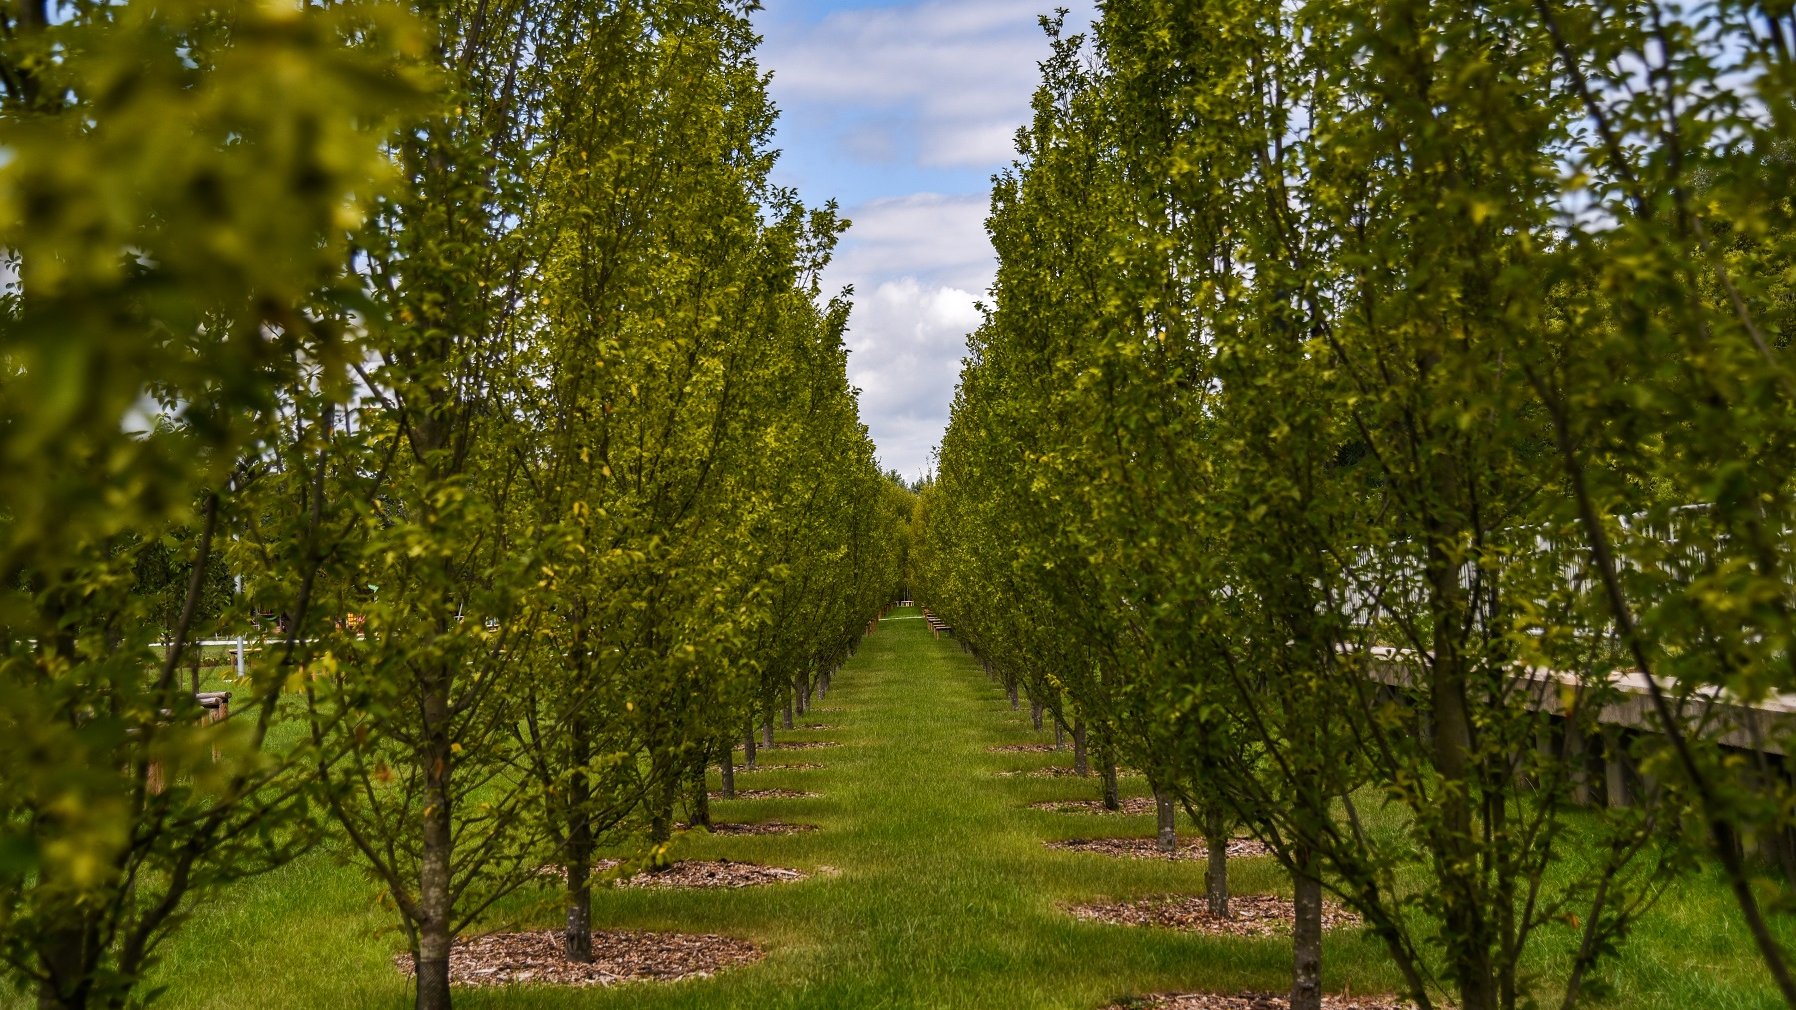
(1249, 915)
(705, 873)
(766, 794)
(1253, 1001)
(755, 828)
(1060, 772)
(1132, 805)
(1149, 848)
(803, 745)
(795, 766)
(1022, 748)
(621, 955)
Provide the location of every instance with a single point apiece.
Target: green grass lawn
(932, 890)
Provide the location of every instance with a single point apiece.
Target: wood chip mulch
(1254, 1001)
(1249, 915)
(1131, 805)
(795, 766)
(1022, 748)
(706, 873)
(1059, 772)
(757, 828)
(1195, 849)
(766, 794)
(803, 745)
(818, 725)
(618, 955)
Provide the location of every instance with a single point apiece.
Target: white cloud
(965, 70)
(934, 238)
(893, 100)
(907, 338)
(918, 264)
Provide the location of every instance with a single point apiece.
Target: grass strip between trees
(930, 888)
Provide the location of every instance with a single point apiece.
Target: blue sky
(902, 111)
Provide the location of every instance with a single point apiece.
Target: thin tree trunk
(1306, 936)
(1035, 708)
(1112, 795)
(726, 769)
(1216, 869)
(801, 690)
(438, 838)
(1010, 692)
(701, 796)
(767, 732)
(68, 954)
(1167, 826)
(661, 813)
(1059, 733)
(576, 940)
(1081, 761)
(788, 718)
(748, 745)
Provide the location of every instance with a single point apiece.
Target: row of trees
(480, 322)
(1367, 386)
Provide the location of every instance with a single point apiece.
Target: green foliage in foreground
(945, 900)
(471, 339)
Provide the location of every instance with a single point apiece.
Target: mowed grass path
(931, 888)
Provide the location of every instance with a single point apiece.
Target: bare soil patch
(756, 828)
(1254, 1001)
(706, 873)
(1130, 805)
(766, 794)
(1249, 915)
(500, 959)
(1193, 849)
(1022, 748)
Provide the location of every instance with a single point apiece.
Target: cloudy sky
(902, 111)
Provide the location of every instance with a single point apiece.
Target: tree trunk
(767, 732)
(801, 689)
(1112, 795)
(576, 941)
(748, 745)
(1010, 692)
(726, 769)
(1306, 936)
(438, 838)
(1168, 830)
(661, 811)
(788, 719)
(1059, 733)
(1216, 869)
(1081, 761)
(701, 796)
(1035, 713)
(69, 955)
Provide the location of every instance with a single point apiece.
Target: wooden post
(1615, 768)
(1579, 760)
